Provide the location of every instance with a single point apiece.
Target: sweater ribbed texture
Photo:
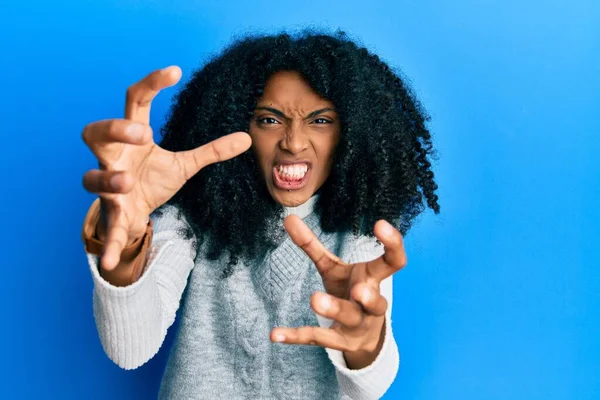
(222, 348)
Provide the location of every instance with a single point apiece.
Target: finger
(345, 312)
(394, 257)
(311, 335)
(372, 302)
(115, 241)
(140, 94)
(98, 181)
(308, 242)
(221, 149)
(116, 130)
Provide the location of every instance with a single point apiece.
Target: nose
(295, 140)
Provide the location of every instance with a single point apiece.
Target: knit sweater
(222, 348)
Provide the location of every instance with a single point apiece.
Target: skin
(292, 123)
(135, 176)
(285, 128)
(352, 296)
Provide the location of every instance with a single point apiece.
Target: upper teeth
(296, 170)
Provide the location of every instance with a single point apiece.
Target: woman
(339, 147)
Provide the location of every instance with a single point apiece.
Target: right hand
(135, 175)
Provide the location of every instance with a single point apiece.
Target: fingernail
(109, 262)
(387, 229)
(135, 131)
(326, 302)
(167, 70)
(279, 337)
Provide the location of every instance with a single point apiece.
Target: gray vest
(222, 349)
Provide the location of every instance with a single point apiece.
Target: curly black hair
(381, 167)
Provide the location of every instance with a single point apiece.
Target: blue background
(501, 297)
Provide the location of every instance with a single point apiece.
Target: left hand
(352, 297)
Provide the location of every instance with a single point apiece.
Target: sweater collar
(303, 210)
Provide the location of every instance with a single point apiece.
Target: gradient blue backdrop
(501, 297)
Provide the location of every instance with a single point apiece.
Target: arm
(132, 320)
(373, 381)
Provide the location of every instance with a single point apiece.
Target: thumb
(221, 149)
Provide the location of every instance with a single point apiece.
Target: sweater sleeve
(372, 381)
(132, 321)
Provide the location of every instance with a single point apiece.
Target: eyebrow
(282, 115)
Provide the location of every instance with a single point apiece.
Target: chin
(290, 199)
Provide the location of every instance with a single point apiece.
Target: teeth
(296, 171)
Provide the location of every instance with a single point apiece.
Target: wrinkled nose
(295, 141)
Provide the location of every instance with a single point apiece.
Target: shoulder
(363, 248)
(169, 217)
(355, 248)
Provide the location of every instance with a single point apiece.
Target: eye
(267, 121)
(322, 121)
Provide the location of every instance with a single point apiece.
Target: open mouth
(291, 176)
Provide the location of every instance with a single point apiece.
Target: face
(294, 134)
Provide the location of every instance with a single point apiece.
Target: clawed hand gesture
(352, 299)
(135, 175)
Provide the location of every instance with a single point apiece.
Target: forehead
(290, 89)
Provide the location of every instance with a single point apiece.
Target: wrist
(92, 236)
